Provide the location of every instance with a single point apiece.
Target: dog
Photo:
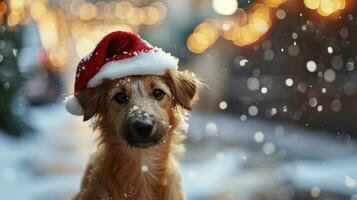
(141, 121)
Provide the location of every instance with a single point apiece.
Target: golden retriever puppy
(137, 100)
(140, 120)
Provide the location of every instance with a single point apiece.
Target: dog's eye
(158, 94)
(121, 98)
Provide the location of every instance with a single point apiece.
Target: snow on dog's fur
(127, 166)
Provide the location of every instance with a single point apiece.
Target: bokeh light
(312, 4)
(243, 29)
(37, 10)
(205, 34)
(87, 11)
(197, 42)
(325, 7)
(274, 3)
(225, 7)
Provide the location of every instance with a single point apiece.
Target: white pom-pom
(73, 106)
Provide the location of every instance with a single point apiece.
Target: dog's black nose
(143, 127)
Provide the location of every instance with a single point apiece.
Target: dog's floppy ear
(92, 101)
(184, 87)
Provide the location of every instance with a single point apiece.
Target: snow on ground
(308, 158)
(204, 179)
(337, 175)
(225, 158)
(45, 166)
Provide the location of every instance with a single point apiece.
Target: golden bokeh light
(109, 10)
(325, 7)
(88, 22)
(3, 8)
(83, 23)
(78, 29)
(161, 8)
(242, 17)
(37, 10)
(259, 25)
(132, 16)
(232, 33)
(312, 4)
(247, 28)
(100, 6)
(152, 15)
(205, 34)
(18, 5)
(274, 3)
(238, 40)
(339, 4)
(227, 29)
(259, 21)
(342, 4)
(141, 15)
(48, 29)
(248, 35)
(13, 19)
(121, 8)
(197, 42)
(58, 57)
(225, 7)
(210, 29)
(87, 11)
(17, 12)
(261, 10)
(210, 33)
(84, 46)
(244, 30)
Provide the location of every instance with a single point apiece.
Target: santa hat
(117, 55)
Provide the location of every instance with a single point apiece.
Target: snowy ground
(226, 159)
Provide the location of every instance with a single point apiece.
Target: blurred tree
(11, 80)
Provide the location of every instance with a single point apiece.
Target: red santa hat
(117, 55)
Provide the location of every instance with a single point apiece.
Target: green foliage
(11, 80)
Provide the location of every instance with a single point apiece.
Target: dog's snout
(143, 127)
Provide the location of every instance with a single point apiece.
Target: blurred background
(277, 123)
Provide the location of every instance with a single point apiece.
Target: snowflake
(87, 57)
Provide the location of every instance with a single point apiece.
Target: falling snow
(223, 105)
(243, 62)
(144, 168)
(311, 66)
(330, 50)
(259, 137)
(289, 82)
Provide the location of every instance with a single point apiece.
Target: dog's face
(139, 109)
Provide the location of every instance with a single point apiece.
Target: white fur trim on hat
(154, 62)
(73, 106)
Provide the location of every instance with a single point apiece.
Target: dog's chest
(145, 176)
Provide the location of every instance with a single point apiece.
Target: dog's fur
(120, 170)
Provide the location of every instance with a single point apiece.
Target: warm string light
(87, 32)
(124, 11)
(274, 3)
(225, 7)
(247, 28)
(325, 7)
(204, 36)
(84, 22)
(242, 29)
(86, 40)
(17, 12)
